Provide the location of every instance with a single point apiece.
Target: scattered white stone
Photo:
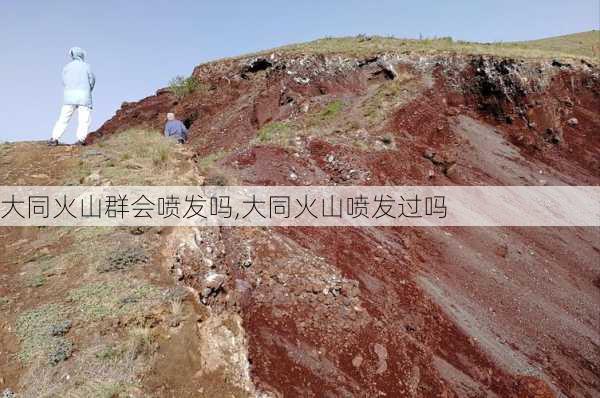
(302, 80)
(357, 361)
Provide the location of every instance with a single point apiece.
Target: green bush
(182, 86)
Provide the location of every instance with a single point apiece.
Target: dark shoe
(80, 143)
(52, 142)
(181, 141)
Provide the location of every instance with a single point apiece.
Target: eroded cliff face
(393, 311)
(531, 102)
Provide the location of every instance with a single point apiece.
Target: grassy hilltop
(577, 45)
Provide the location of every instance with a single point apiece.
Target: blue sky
(136, 47)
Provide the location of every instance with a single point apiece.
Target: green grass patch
(139, 156)
(325, 115)
(206, 162)
(332, 109)
(36, 330)
(89, 236)
(99, 300)
(89, 247)
(276, 133)
(37, 268)
(38, 280)
(161, 154)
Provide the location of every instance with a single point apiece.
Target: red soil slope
(509, 312)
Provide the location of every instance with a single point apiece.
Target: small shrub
(176, 312)
(183, 86)
(161, 154)
(60, 352)
(123, 259)
(141, 343)
(60, 328)
(176, 306)
(387, 139)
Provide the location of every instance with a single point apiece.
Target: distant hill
(584, 44)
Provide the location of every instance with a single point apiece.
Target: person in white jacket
(79, 82)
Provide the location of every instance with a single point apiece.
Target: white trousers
(84, 121)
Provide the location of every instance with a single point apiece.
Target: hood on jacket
(77, 53)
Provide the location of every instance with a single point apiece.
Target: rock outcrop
(508, 312)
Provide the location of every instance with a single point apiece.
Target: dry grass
(176, 306)
(34, 329)
(207, 162)
(139, 157)
(104, 370)
(49, 349)
(63, 266)
(578, 45)
(141, 343)
(116, 297)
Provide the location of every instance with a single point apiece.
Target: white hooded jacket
(78, 80)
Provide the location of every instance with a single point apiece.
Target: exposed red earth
(508, 312)
(395, 311)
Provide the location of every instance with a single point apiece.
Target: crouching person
(79, 82)
(175, 129)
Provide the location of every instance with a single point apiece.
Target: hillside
(578, 45)
(313, 312)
